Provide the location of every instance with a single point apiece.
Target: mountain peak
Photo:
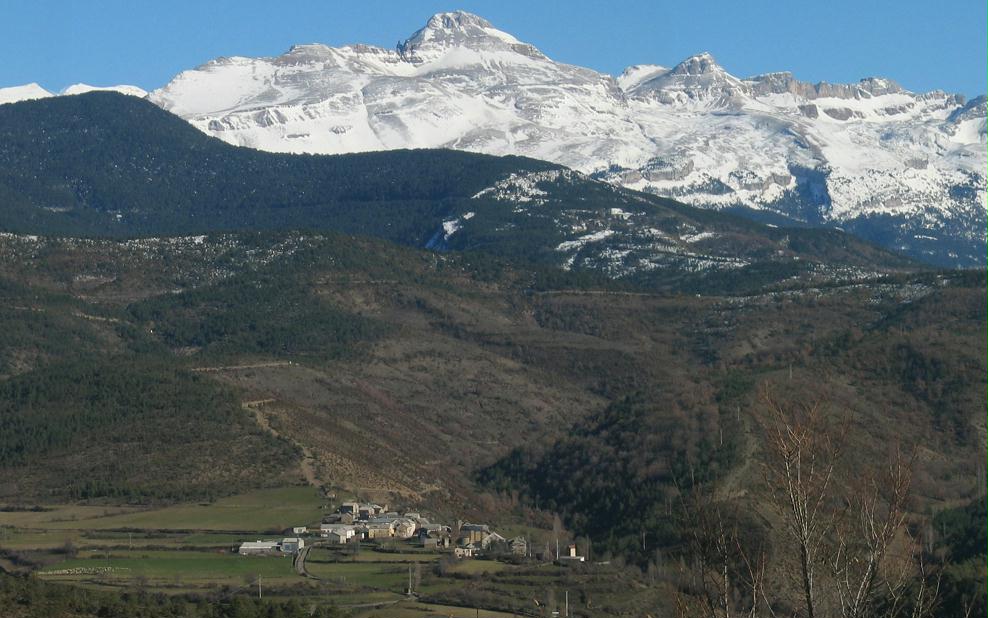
(445, 31)
(133, 91)
(27, 92)
(637, 74)
(696, 80)
(457, 20)
(698, 64)
(877, 86)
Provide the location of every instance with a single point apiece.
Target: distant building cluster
(354, 522)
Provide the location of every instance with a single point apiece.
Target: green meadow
(170, 566)
(266, 509)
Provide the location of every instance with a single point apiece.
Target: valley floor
(191, 550)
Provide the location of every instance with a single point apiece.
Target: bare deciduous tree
(726, 575)
(802, 455)
(880, 567)
(844, 531)
(848, 551)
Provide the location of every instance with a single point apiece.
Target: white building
(344, 531)
(257, 547)
(292, 545)
(570, 557)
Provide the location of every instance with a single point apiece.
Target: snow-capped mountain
(904, 169)
(907, 169)
(134, 91)
(30, 92)
(27, 92)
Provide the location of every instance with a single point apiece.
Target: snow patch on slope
(569, 245)
(524, 187)
(133, 91)
(27, 92)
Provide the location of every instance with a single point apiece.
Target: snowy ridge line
(819, 153)
(842, 155)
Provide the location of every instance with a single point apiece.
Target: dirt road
(308, 463)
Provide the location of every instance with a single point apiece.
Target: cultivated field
(191, 549)
(273, 509)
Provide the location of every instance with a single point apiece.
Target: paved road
(300, 563)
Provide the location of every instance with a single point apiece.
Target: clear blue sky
(922, 44)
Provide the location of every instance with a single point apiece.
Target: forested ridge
(271, 315)
(623, 463)
(130, 428)
(108, 165)
(616, 475)
(961, 536)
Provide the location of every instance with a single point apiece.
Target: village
(354, 523)
(298, 542)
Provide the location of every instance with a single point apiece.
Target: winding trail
(308, 463)
(243, 367)
(732, 485)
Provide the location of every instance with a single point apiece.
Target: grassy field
(426, 610)
(369, 555)
(260, 510)
(221, 567)
(475, 567)
(379, 576)
(18, 538)
(62, 516)
(366, 598)
(183, 547)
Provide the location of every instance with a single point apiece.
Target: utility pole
(567, 604)
(409, 580)
(258, 586)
